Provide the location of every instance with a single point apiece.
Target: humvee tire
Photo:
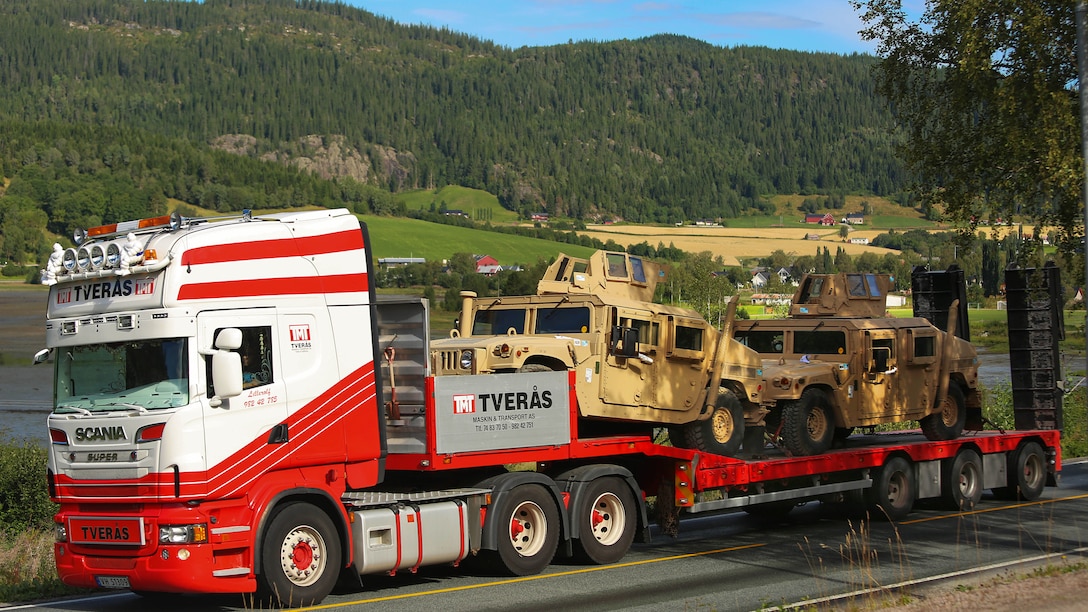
(947, 423)
(722, 433)
(808, 427)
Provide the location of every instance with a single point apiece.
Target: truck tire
(528, 531)
(894, 489)
(301, 557)
(808, 427)
(1026, 473)
(948, 421)
(608, 519)
(961, 480)
(723, 432)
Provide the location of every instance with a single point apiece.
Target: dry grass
(734, 243)
(33, 573)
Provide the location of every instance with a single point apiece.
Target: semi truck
(238, 411)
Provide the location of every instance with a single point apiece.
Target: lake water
(25, 396)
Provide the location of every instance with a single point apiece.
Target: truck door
(879, 386)
(632, 380)
(238, 433)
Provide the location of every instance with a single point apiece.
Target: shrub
(24, 496)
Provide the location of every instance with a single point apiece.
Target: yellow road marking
(529, 578)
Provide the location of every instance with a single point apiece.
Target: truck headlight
(467, 358)
(183, 534)
(60, 532)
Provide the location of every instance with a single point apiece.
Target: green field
(400, 237)
(478, 205)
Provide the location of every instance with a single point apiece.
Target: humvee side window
(767, 341)
(810, 293)
(856, 285)
(820, 342)
(617, 265)
(497, 322)
(689, 338)
(562, 321)
(924, 347)
(647, 331)
(638, 274)
(883, 355)
(874, 288)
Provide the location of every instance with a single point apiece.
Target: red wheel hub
(302, 555)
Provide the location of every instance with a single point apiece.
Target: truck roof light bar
(174, 221)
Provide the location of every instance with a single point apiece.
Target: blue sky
(804, 25)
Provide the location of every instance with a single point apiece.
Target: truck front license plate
(112, 582)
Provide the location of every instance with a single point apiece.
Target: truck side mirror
(624, 341)
(227, 364)
(227, 373)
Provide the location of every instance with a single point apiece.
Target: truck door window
(562, 321)
(686, 339)
(256, 352)
(498, 322)
(819, 342)
(883, 359)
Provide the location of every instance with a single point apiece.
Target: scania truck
(238, 411)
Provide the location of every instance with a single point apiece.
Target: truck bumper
(171, 569)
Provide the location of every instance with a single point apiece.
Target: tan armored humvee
(634, 360)
(841, 362)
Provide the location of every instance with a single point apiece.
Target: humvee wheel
(723, 432)
(808, 428)
(950, 416)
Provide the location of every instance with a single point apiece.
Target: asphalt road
(736, 562)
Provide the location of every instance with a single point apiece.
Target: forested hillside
(659, 129)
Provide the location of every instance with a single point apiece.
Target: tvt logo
(464, 404)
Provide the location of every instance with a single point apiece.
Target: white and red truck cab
(236, 412)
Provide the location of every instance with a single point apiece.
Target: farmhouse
(824, 219)
(859, 241)
(487, 265)
(854, 219)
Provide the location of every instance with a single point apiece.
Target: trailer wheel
(807, 425)
(1026, 473)
(528, 530)
(723, 432)
(893, 491)
(961, 480)
(606, 511)
(301, 557)
(951, 415)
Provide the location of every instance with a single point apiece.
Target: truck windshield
(137, 375)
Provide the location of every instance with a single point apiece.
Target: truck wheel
(528, 530)
(1026, 473)
(807, 425)
(300, 555)
(948, 421)
(606, 511)
(961, 480)
(723, 432)
(893, 491)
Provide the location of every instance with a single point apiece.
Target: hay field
(733, 244)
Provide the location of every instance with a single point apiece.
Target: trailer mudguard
(502, 484)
